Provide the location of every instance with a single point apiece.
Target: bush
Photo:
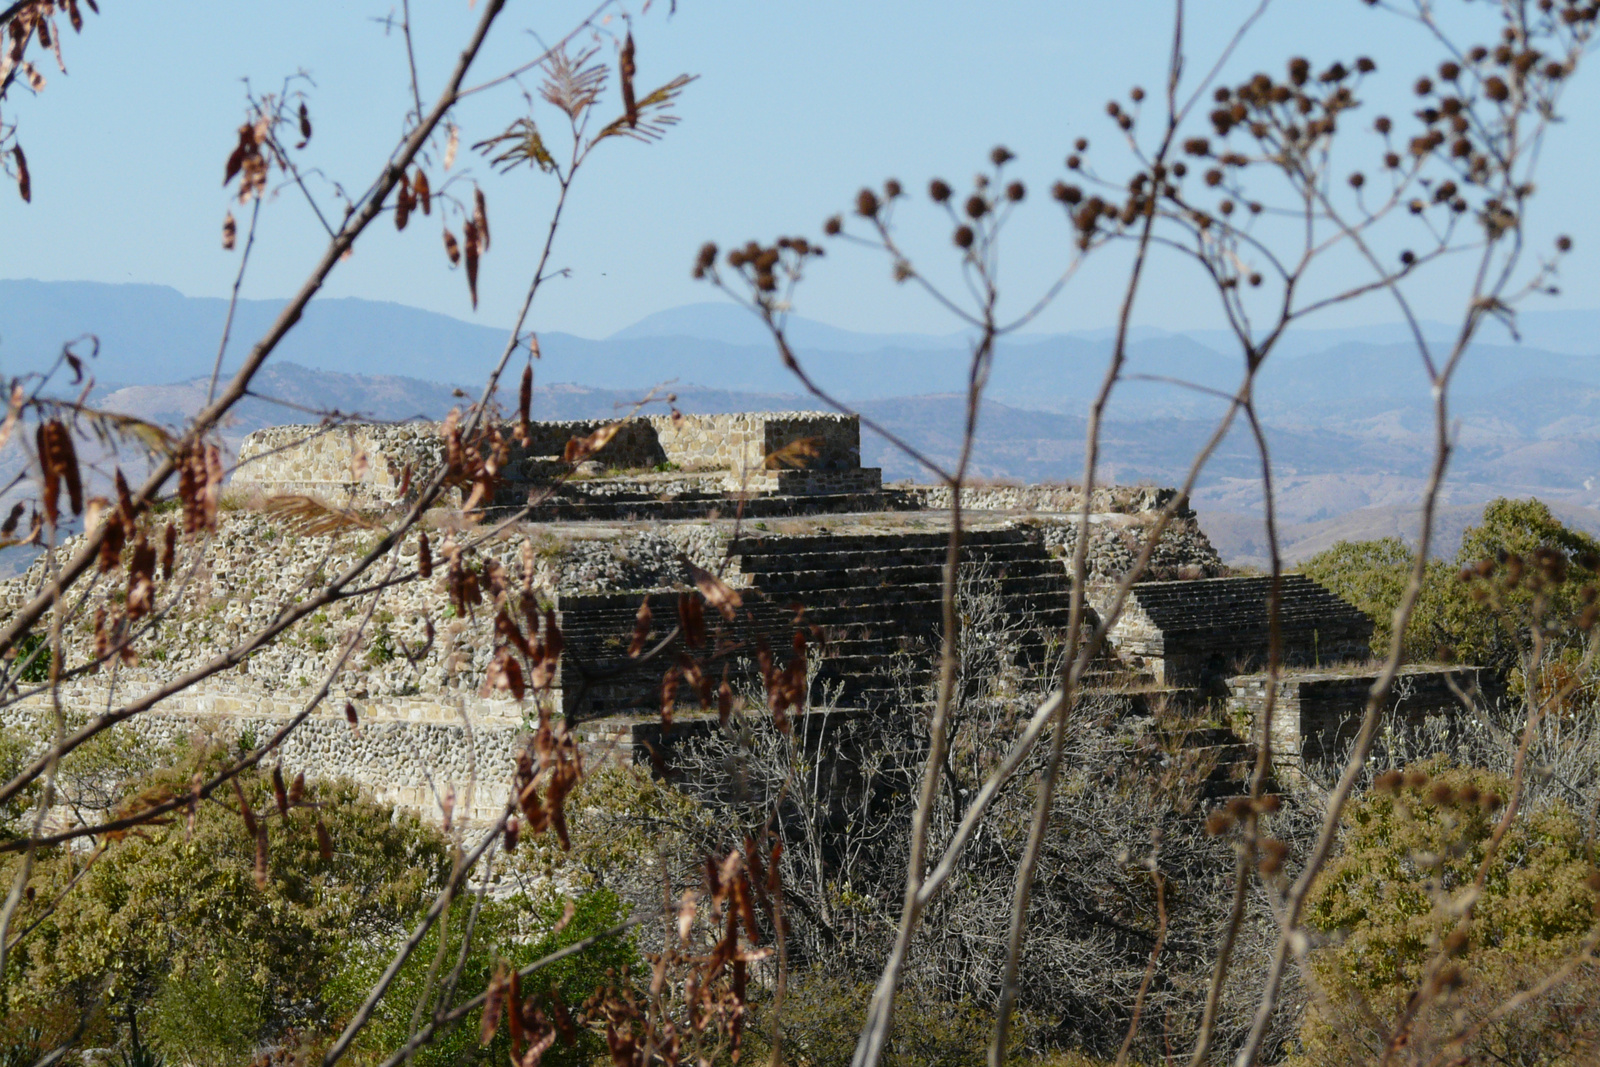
(515, 932)
(1391, 900)
(171, 917)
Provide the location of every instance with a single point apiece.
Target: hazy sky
(798, 103)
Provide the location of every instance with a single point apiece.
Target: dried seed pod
(169, 551)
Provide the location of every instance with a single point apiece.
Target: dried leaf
(112, 541)
(324, 843)
(424, 557)
(245, 813)
(13, 412)
(141, 580)
(514, 1014)
(579, 449)
(687, 908)
(692, 620)
(469, 233)
(352, 718)
(451, 145)
(717, 592)
(451, 248)
(169, 551)
(297, 789)
(558, 1008)
(403, 203)
(423, 190)
(654, 114)
(798, 453)
(310, 517)
(572, 82)
(261, 855)
(524, 407)
(279, 793)
(480, 218)
(305, 126)
(24, 182)
(513, 830)
(641, 628)
(670, 680)
(627, 71)
(493, 1001)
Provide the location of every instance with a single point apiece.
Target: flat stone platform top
(1204, 605)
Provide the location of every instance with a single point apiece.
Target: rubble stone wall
(408, 752)
(1316, 714)
(364, 465)
(1060, 499)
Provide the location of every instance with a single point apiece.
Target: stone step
(800, 583)
(791, 558)
(757, 545)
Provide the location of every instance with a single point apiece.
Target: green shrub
(822, 1014)
(517, 931)
(1390, 901)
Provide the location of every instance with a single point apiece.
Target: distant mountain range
(1348, 409)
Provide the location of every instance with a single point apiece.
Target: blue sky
(798, 103)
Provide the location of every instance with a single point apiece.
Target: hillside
(1347, 409)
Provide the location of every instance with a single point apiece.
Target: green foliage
(1391, 901)
(822, 1015)
(1517, 571)
(381, 650)
(1528, 571)
(165, 919)
(14, 752)
(36, 667)
(517, 931)
(1372, 575)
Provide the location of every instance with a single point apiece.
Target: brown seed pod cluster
(763, 268)
(1419, 786)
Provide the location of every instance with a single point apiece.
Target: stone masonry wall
(408, 752)
(1061, 499)
(363, 465)
(1316, 714)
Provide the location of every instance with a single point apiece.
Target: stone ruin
(781, 507)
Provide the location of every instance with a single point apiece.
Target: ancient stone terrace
(779, 504)
(660, 466)
(1196, 634)
(874, 595)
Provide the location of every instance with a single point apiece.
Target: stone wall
(325, 461)
(1197, 633)
(408, 752)
(363, 464)
(1058, 499)
(1316, 714)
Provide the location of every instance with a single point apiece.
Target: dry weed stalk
(124, 542)
(1267, 152)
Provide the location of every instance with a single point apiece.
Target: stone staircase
(874, 596)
